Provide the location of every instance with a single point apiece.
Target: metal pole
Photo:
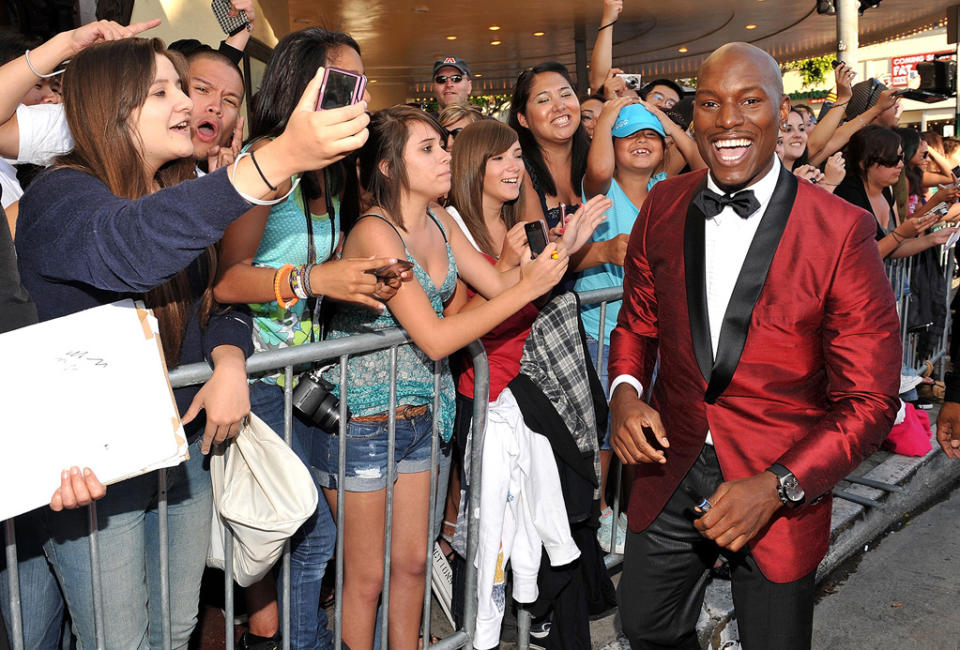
(847, 37)
(13, 577)
(435, 493)
(285, 569)
(228, 586)
(388, 516)
(341, 497)
(481, 397)
(164, 541)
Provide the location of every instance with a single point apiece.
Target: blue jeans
(41, 605)
(312, 546)
(128, 534)
(592, 344)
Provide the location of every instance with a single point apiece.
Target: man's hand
(739, 509)
(629, 415)
(948, 429)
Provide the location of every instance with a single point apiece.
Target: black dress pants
(665, 571)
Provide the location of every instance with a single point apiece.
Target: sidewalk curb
(924, 479)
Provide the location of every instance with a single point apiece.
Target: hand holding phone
(536, 236)
(340, 88)
(229, 24)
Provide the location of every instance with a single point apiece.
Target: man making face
(766, 302)
(451, 81)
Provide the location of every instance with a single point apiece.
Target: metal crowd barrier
(287, 359)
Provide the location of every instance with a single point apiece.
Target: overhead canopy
(401, 38)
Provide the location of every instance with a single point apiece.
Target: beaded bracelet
(250, 199)
(296, 283)
(277, 280)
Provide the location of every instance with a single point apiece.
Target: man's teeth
(725, 144)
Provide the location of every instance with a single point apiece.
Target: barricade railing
(340, 350)
(287, 360)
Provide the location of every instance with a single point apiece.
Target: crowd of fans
(151, 191)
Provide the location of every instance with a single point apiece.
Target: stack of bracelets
(298, 278)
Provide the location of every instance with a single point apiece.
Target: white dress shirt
(727, 237)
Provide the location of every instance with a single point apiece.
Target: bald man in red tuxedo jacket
(765, 300)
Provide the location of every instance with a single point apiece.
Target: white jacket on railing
(521, 506)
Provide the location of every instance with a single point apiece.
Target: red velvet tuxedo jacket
(808, 363)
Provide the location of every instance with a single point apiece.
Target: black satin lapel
(696, 280)
(746, 292)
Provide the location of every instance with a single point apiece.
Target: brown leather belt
(405, 412)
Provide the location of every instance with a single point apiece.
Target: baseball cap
(453, 62)
(633, 118)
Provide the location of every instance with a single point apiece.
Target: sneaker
(442, 581)
(603, 534)
(540, 627)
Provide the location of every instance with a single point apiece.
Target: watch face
(791, 487)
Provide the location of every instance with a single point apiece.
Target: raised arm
(842, 135)
(602, 56)
(239, 40)
(820, 136)
(440, 337)
(16, 77)
(601, 161)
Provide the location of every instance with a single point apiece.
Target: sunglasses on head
(453, 133)
(890, 162)
(442, 78)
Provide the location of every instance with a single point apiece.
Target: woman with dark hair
(404, 167)
(545, 113)
(119, 217)
(875, 160)
(296, 241)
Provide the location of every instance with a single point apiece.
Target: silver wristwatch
(788, 487)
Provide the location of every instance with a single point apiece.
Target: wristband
(900, 238)
(278, 278)
(250, 199)
(296, 283)
(260, 171)
(603, 27)
(307, 274)
(26, 55)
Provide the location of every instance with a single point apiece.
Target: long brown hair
(102, 87)
(389, 131)
(476, 144)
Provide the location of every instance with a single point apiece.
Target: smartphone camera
(313, 398)
(340, 88)
(536, 237)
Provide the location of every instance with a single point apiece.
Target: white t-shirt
(44, 133)
(8, 181)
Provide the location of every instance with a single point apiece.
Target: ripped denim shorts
(367, 453)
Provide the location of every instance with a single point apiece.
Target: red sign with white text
(903, 69)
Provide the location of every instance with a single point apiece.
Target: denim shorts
(367, 453)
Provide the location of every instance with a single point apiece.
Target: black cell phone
(229, 24)
(340, 88)
(956, 172)
(391, 270)
(835, 63)
(536, 237)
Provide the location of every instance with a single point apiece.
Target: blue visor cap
(633, 118)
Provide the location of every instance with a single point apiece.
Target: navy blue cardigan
(80, 246)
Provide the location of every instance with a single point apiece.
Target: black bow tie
(744, 203)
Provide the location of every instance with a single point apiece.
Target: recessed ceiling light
(451, 37)
(682, 50)
(751, 26)
(372, 81)
(494, 28)
(478, 75)
(495, 42)
(538, 33)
